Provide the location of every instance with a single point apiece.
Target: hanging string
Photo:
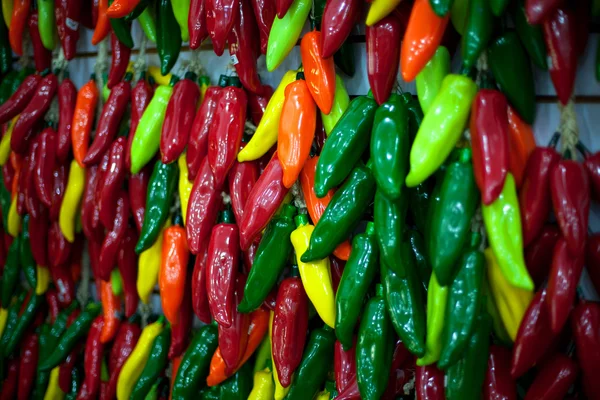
(140, 64)
(568, 128)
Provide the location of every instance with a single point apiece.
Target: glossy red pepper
(114, 237)
(429, 383)
(127, 262)
(383, 52)
(344, 366)
(112, 181)
(263, 201)
(562, 284)
(178, 118)
(33, 113)
(51, 296)
(92, 359)
(489, 141)
(282, 7)
(585, 324)
(180, 332)
(257, 103)
(593, 260)
(94, 244)
(137, 187)
(68, 16)
(59, 248)
(290, 322)
(141, 94)
(108, 124)
(102, 170)
(67, 97)
(339, 18)
(220, 17)
(63, 281)
(234, 339)
(198, 284)
(64, 376)
(197, 23)
(242, 178)
(553, 379)
(537, 11)
(44, 168)
(125, 342)
(38, 234)
(264, 11)
(198, 141)
(534, 198)
(32, 202)
(41, 55)
(119, 62)
(244, 48)
(221, 269)
(19, 99)
(203, 206)
(10, 383)
(592, 165)
(88, 205)
(27, 365)
(226, 131)
(498, 382)
(538, 255)
(570, 189)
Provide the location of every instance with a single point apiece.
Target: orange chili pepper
(319, 72)
(259, 324)
(423, 35)
(17, 25)
(316, 206)
(103, 25)
(522, 144)
(172, 273)
(296, 130)
(83, 119)
(110, 307)
(120, 8)
(176, 363)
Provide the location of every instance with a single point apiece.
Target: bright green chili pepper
(498, 6)
(531, 36)
(181, 9)
(168, 36)
(239, 386)
(148, 24)
(478, 32)
(285, 32)
(341, 101)
(60, 324)
(161, 189)
(47, 23)
(437, 297)
(441, 127)
(390, 216)
(441, 7)
(429, 80)
(463, 304)
(146, 141)
(24, 321)
(10, 275)
(359, 273)
(345, 145)
(27, 260)
(122, 30)
(116, 282)
(502, 221)
(154, 366)
(263, 355)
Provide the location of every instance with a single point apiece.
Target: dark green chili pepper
(441, 7)
(168, 36)
(155, 365)
(531, 36)
(24, 321)
(27, 260)
(419, 198)
(239, 386)
(11, 322)
(417, 245)
(60, 324)
(10, 275)
(76, 381)
(478, 31)
(122, 30)
(390, 216)
(498, 6)
(137, 10)
(5, 87)
(211, 393)
(42, 377)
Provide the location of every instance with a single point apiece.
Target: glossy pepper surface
(172, 273)
(168, 36)
(71, 201)
(554, 378)
(220, 17)
(318, 70)
(585, 320)
(383, 50)
(341, 101)
(522, 144)
(498, 382)
(68, 18)
(90, 387)
(531, 35)
(478, 31)
(429, 80)
(119, 61)
(197, 23)
(339, 17)
(285, 32)
(124, 344)
(20, 98)
(83, 119)
(233, 339)
(437, 298)
(41, 55)
(154, 366)
(197, 146)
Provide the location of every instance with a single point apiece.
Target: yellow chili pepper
(7, 11)
(437, 297)
(5, 143)
(3, 316)
(324, 395)
(512, 302)
(53, 391)
(185, 186)
(268, 129)
(316, 275)
(14, 219)
(340, 105)
(380, 9)
(158, 77)
(148, 266)
(71, 200)
(264, 387)
(132, 369)
(43, 280)
(280, 391)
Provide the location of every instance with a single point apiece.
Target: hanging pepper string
(568, 128)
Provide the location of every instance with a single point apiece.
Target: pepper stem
(379, 290)
(370, 229)
(295, 272)
(227, 217)
(288, 211)
(301, 220)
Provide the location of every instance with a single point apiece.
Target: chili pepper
(514, 78)
(63, 280)
(477, 31)
(437, 299)
(27, 364)
(17, 25)
(76, 381)
(198, 140)
(83, 119)
(44, 168)
(389, 216)
(10, 384)
(67, 95)
(125, 342)
(233, 339)
(537, 257)
(243, 49)
(285, 32)
(26, 259)
(449, 110)
(341, 101)
(93, 361)
(26, 316)
(52, 303)
(197, 23)
(220, 18)
(344, 362)
(181, 330)
(498, 382)
(465, 378)
(429, 383)
(319, 71)
(20, 98)
(257, 103)
(11, 320)
(154, 366)
(199, 292)
(137, 188)
(119, 62)
(429, 80)
(554, 378)
(114, 237)
(14, 219)
(172, 274)
(242, 178)
(127, 261)
(522, 144)
(121, 8)
(141, 94)
(112, 181)
(111, 305)
(380, 9)
(68, 14)
(102, 28)
(168, 36)
(531, 36)
(47, 23)
(339, 17)
(181, 9)
(592, 165)
(42, 56)
(11, 271)
(264, 12)
(538, 11)
(570, 189)
(60, 323)
(59, 249)
(585, 320)
(263, 387)
(263, 201)
(42, 377)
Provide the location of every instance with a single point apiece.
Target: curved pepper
(93, 356)
(172, 273)
(429, 80)
(264, 11)
(341, 101)
(47, 23)
(537, 257)
(554, 379)
(380, 9)
(285, 32)
(233, 339)
(477, 32)
(44, 167)
(531, 35)
(111, 183)
(114, 237)
(148, 267)
(537, 11)
(127, 263)
(437, 298)
(111, 305)
(339, 17)
(383, 50)
(121, 8)
(522, 144)
(389, 216)
(197, 23)
(71, 201)
(585, 321)
(244, 49)
(41, 55)
(67, 97)
(20, 98)
(220, 17)
(429, 383)
(17, 25)
(184, 186)
(27, 365)
(199, 293)
(263, 387)
(498, 382)
(154, 366)
(27, 262)
(197, 146)
(318, 70)
(83, 120)
(181, 9)
(68, 18)
(119, 61)
(242, 178)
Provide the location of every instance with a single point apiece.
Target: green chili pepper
(511, 69)
(531, 36)
(478, 31)
(285, 32)
(138, 10)
(153, 393)
(27, 260)
(463, 305)
(390, 216)
(193, 369)
(342, 215)
(122, 30)
(5, 90)
(441, 7)
(316, 363)
(76, 381)
(263, 355)
(465, 378)
(498, 6)
(419, 199)
(11, 322)
(417, 246)
(161, 190)
(154, 366)
(42, 377)
(359, 273)
(450, 223)
(429, 80)
(437, 297)
(271, 258)
(345, 145)
(344, 59)
(60, 324)
(390, 144)
(24, 321)
(5, 49)
(415, 113)
(147, 22)
(458, 15)
(47, 23)
(71, 336)
(168, 36)
(116, 282)
(239, 386)
(341, 101)
(10, 275)
(374, 348)
(5, 200)
(211, 393)
(21, 75)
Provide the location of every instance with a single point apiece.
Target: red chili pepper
(68, 16)
(38, 234)
(398, 378)
(383, 51)
(264, 11)
(59, 248)
(234, 339)
(114, 237)
(593, 260)
(92, 359)
(429, 383)
(585, 324)
(112, 181)
(592, 165)
(77, 258)
(560, 35)
(344, 366)
(221, 269)
(197, 23)
(263, 201)
(290, 322)
(137, 190)
(64, 376)
(8, 174)
(102, 170)
(125, 341)
(45, 164)
(351, 392)
(570, 189)
(283, 6)
(111, 305)
(27, 365)
(108, 125)
(257, 103)
(538, 257)
(220, 17)
(199, 294)
(120, 61)
(244, 49)
(319, 71)
(19, 99)
(41, 55)
(242, 178)
(178, 119)
(94, 245)
(141, 94)
(489, 139)
(19, 185)
(63, 281)
(67, 96)
(172, 275)
(339, 18)
(562, 284)
(32, 202)
(537, 11)
(180, 332)
(534, 338)
(553, 379)
(51, 296)
(127, 262)
(33, 113)
(534, 197)
(226, 131)
(198, 142)
(498, 382)
(88, 204)
(9, 386)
